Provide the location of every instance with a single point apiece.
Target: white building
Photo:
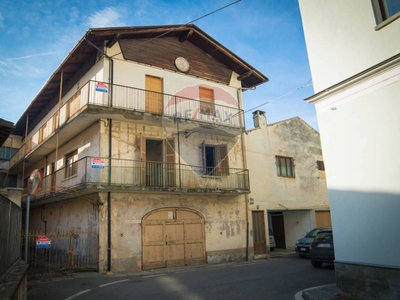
(288, 185)
(354, 53)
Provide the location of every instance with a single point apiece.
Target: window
(215, 160)
(284, 166)
(71, 164)
(320, 165)
(384, 9)
(7, 152)
(207, 106)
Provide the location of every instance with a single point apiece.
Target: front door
(259, 232)
(278, 228)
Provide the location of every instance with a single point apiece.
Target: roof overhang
(83, 50)
(6, 128)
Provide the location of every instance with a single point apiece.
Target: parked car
(303, 245)
(272, 243)
(322, 249)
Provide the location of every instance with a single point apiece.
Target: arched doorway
(173, 237)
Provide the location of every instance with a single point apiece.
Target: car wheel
(271, 249)
(316, 264)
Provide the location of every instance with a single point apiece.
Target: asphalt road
(276, 279)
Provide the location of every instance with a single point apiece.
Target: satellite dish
(34, 181)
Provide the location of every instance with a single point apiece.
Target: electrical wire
(309, 83)
(181, 26)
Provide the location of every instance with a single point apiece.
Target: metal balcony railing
(134, 99)
(143, 175)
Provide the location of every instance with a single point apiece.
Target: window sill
(70, 177)
(286, 177)
(387, 21)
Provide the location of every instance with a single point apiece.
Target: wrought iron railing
(133, 99)
(120, 173)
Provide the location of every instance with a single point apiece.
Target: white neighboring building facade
(354, 54)
(288, 185)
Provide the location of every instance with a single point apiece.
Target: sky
(37, 35)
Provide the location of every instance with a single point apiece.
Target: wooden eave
(6, 128)
(108, 37)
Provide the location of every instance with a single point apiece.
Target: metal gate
(66, 253)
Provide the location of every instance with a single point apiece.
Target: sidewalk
(325, 292)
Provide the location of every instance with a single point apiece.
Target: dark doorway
(259, 232)
(278, 228)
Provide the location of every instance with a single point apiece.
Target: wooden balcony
(91, 174)
(97, 100)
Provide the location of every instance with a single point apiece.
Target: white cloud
(1, 21)
(108, 17)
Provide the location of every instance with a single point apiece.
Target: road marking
(111, 283)
(155, 275)
(77, 295)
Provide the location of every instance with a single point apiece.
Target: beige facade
(147, 153)
(288, 183)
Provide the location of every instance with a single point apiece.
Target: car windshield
(312, 233)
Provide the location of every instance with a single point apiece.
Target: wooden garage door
(173, 237)
(323, 218)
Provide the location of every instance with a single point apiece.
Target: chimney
(259, 119)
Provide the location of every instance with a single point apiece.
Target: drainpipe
(110, 103)
(239, 95)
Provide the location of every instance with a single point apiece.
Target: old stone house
(288, 183)
(139, 136)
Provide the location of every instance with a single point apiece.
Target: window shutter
(223, 159)
(207, 105)
(170, 159)
(203, 156)
(142, 163)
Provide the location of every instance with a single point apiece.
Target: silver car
(303, 245)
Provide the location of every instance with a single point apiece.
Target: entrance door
(259, 232)
(278, 227)
(173, 237)
(154, 97)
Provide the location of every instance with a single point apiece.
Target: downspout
(243, 144)
(110, 102)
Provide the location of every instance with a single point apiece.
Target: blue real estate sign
(43, 242)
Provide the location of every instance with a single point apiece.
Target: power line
(182, 26)
(309, 83)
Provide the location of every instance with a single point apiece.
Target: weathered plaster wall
(291, 138)
(128, 73)
(126, 143)
(225, 226)
(81, 213)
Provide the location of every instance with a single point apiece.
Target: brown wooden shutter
(207, 105)
(170, 165)
(203, 156)
(142, 163)
(154, 98)
(223, 159)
